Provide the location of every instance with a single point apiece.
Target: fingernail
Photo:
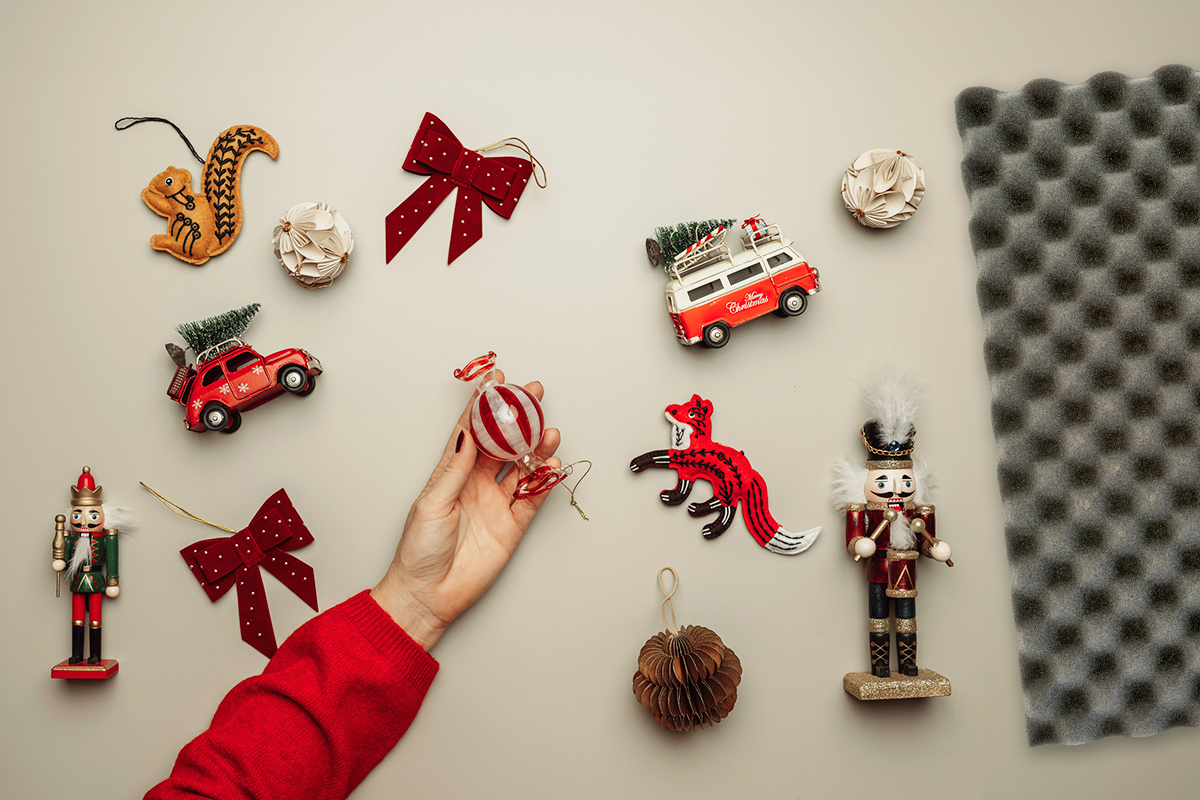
(458, 444)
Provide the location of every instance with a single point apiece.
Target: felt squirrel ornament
(202, 225)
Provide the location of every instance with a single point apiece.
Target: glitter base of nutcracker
(926, 683)
(105, 669)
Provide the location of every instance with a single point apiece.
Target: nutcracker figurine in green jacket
(87, 552)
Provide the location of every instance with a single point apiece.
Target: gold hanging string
(672, 625)
(520, 145)
(568, 469)
(183, 512)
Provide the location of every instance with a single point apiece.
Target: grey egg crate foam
(1085, 221)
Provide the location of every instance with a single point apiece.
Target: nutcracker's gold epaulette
(925, 508)
(855, 507)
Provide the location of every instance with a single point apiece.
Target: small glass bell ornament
(507, 425)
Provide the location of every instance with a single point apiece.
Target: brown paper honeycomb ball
(687, 680)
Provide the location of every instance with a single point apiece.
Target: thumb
(450, 483)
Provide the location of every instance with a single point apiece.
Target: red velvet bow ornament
(495, 181)
(219, 563)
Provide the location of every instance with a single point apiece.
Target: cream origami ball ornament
(882, 188)
(313, 242)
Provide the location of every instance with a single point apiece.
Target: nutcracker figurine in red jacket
(889, 523)
(87, 553)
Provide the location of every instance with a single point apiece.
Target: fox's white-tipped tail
(789, 544)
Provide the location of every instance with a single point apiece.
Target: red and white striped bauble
(507, 422)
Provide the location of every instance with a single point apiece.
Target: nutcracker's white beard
(81, 557)
(901, 536)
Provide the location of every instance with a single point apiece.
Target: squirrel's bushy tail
(221, 172)
(765, 530)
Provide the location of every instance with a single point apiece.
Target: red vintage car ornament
(712, 289)
(231, 377)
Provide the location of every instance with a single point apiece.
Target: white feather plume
(893, 402)
(925, 482)
(848, 482)
(120, 518)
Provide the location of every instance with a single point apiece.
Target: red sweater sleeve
(332, 702)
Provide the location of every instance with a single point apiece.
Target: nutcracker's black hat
(885, 453)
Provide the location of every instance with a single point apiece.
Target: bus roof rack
(707, 251)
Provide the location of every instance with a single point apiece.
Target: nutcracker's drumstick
(918, 525)
(889, 517)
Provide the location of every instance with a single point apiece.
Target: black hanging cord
(131, 121)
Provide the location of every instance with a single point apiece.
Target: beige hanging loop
(672, 626)
(183, 512)
(520, 145)
(567, 470)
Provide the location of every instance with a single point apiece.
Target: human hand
(864, 547)
(460, 532)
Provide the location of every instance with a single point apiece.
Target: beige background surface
(644, 114)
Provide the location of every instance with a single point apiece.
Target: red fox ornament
(695, 456)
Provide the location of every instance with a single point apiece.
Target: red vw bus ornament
(712, 289)
(507, 425)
